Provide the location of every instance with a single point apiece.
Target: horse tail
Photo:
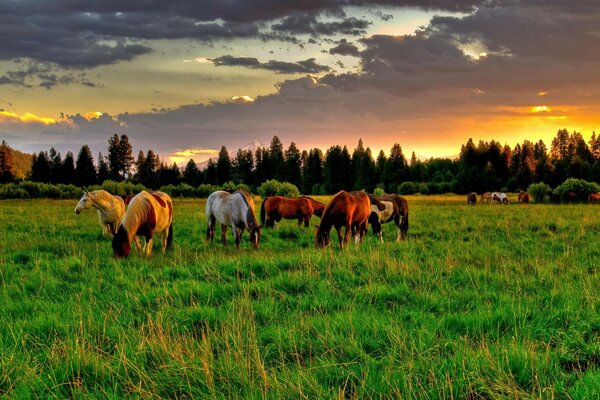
(404, 228)
(263, 211)
(170, 237)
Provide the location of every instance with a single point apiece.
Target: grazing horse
(147, 214)
(500, 198)
(472, 198)
(523, 197)
(232, 209)
(381, 212)
(110, 209)
(346, 210)
(594, 198)
(400, 216)
(572, 197)
(317, 206)
(274, 208)
(486, 198)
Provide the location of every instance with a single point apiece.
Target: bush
(205, 190)
(407, 187)
(580, 187)
(12, 191)
(539, 191)
(119, 188)
(273, 187)
(423, 188)
(232, 187)
(379, 192)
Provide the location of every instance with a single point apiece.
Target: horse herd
(148, 213)
(496, 198)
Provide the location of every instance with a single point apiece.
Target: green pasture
(484, 302)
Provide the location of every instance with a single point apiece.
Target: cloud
(308, 66)
(345, 48)
(309, 25)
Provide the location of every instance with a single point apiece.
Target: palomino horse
(400, 216)
(147, 214)
(346, 210)
(232, 209)
(317, 206)
(472, 198)
(110, 209)
(500, 198)
(274, 208)
(381, 212)
(594, 198)
(523, 197)
(486, 198)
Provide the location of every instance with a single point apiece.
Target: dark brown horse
(472, 198)
(346, 210)
(317, 206)
(275, 208)
(523, 197)
(381, 212)
(400, 216)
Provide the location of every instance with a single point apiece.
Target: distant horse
(147, 214)
(400, 216)
(594, 198)
(572, 197)
(381, 212)
(472, 198)
(317, 206)
(346, 210)
(110, 209)
(232, 209)
(274, 208)
(523, 197)
(500, 198)
(486, 198)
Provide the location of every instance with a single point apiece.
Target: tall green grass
(479, 302)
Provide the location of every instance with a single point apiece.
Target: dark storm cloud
(308, 66)
(345, 48)
(299, 24)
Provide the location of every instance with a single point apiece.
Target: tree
(168, 175)
(313, 171)
(126, 155)
(6, 163)
(243, 166)
(55, 161)
(210, 173)
(277, 159)
(147, 174)
(85, 172)
(595, 146)
(396, 169)
(103, 169)
(139, 164)
(337, 169)
(380, 165)
(416, 169)
(68, 169)
(120, 157)
(40, 168)
(264, 167)
(191, 174)
(293, 165)
(223, 166)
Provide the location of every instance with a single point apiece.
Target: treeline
(485, 166)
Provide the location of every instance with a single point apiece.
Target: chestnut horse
(523, 197)
(274, 208)
(486, 198)
(594, 198)
(472, 198)
(317, 206)
(346, 210)
(400, 216)
(147, 214)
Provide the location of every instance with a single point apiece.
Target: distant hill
(21, 163)
(252, 146)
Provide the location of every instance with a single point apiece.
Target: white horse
(235, 210)
(500, 198)
(381, 212)
(110, 209)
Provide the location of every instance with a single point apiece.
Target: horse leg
(356, 233)
(398, 221)
(237, 234)
(138, 245)
(347, 233)
(340, 237)
(224, 234)
(148, 246)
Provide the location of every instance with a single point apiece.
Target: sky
(184, 78)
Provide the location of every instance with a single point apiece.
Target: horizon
(186, 80)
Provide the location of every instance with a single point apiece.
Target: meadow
(484, 302)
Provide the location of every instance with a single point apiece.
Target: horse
(594, 198)
(472, 198)
(317, 206)
(572, 197)
(274, 208)
(346, 210)
(500, 198)
(400, 216)
(110, 209)
(486, 198)
(523, 197)
(232, 209)
(381, 212)
(147, 214)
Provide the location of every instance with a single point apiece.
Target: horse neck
(135, 217)
(100, 203)
(251, 221)
(326, 222)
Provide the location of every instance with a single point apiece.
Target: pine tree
(223, 166)
(313, 172)
(85, 172)
(242, 165)
(147, 174)
(293, 165)
(210, 173)
(68, 169)
(103, 169)
(395, 170)
(139, 164)
(6, 163)
(40, 168)
(380, 165)
(126, 156)
(337, 169)
(191, 174)
(276, 159)
(595, 146)
(115, 163)
(55, 161)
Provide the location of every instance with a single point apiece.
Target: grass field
(479, 302)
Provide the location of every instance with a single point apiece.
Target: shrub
(379, 192)
(205, 190)
(232, 187)
(12, 191)
(539, 191)
(119, 188)
(273, 187)
(580, 187)
(423, 188)
(407, 187)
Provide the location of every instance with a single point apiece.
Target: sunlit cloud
(539, 109)
(197, 154)
(242, 99)
(92, 115)
(199, 60)
(542, 93)
(27, 118)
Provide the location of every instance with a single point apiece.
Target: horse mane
(326, 221)
(136, 214)
(377, 202)
(250, 218)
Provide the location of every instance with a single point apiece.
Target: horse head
(255, 236)
(120, 244)
(322, 239)
(84, 203)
